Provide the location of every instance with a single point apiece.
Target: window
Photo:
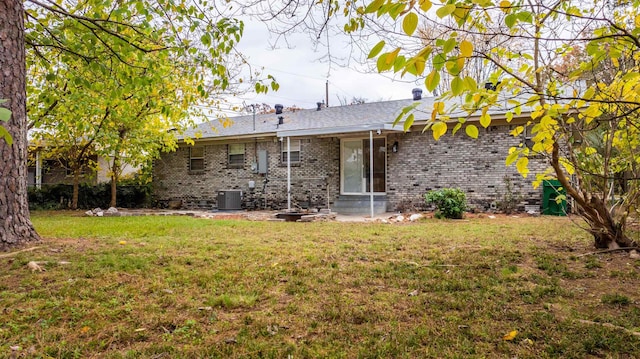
(196, 159)
(236, 155)
(295, 151)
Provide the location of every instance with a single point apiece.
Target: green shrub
(449, 202)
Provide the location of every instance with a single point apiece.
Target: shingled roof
(339, 119)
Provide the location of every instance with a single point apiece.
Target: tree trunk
(115, 171)
(76, 188)
(15, 225)
(608, 232)
(114, 189)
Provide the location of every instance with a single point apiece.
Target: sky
(302, 74)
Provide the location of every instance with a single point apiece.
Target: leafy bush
(58, 196)
(449, 202)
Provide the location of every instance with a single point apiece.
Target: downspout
(371, 172)
(289, 174)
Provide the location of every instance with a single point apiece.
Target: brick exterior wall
(311, 180)
(476, 166)
(420, 165)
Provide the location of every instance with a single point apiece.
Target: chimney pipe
(279, 108)
(417, 93)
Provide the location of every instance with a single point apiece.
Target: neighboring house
(47, 171)
(332, 165)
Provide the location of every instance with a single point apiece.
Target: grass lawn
(179, 287)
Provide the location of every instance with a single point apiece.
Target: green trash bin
(551, 189)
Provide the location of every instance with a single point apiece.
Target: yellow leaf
(637, 21)
(511, 335)
(523, 168)
(438, 107)
(425, 5)
(485, 120)
(505, 6)
(85, 329)
(472, 131)
(517, 131)
(438, 129)
(391, 57)
(466, 48)
(122, 243)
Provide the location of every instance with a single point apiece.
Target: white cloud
(303, 71)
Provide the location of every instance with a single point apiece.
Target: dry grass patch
(165, 287)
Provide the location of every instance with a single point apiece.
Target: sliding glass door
(356, 169)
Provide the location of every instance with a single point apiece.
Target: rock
(96, 210)
(492, 217)
(413, 293)
(175, 204)
(100, 214)
(414, 217)
(400, 218)
(533, 213)
(634, 254)
(35, 267)
(89, 213)
(112, 210)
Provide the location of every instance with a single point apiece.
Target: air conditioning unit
(229, 199)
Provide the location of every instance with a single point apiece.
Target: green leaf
(439, 61)
(5, 114)
(410, 23)
(432, 80)
(510, 20)
(470, 83)
(456, 128)
(6, 135)
(525, 16)
(472, 131)
(408, 122)
(449, 45)
(374, 6)
(376, 49)
(439, 128)
(445, 10)
(457, 86)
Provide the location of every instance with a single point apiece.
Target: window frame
(193, 158)
(234, 162)
(283, 152)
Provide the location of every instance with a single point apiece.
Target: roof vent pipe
(280, 120)
(279, 108)
(417, 94)
(319, 106)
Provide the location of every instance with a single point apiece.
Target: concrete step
(360, 204)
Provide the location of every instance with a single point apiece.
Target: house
(42, 170)
(350, 159)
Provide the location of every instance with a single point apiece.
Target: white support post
(371, 171)
(289, 174)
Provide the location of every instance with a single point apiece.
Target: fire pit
(291, 216)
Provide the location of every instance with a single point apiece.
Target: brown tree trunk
(115, 171)
(76, 188)
(608, 232)
(15, 225)
(114, 189)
